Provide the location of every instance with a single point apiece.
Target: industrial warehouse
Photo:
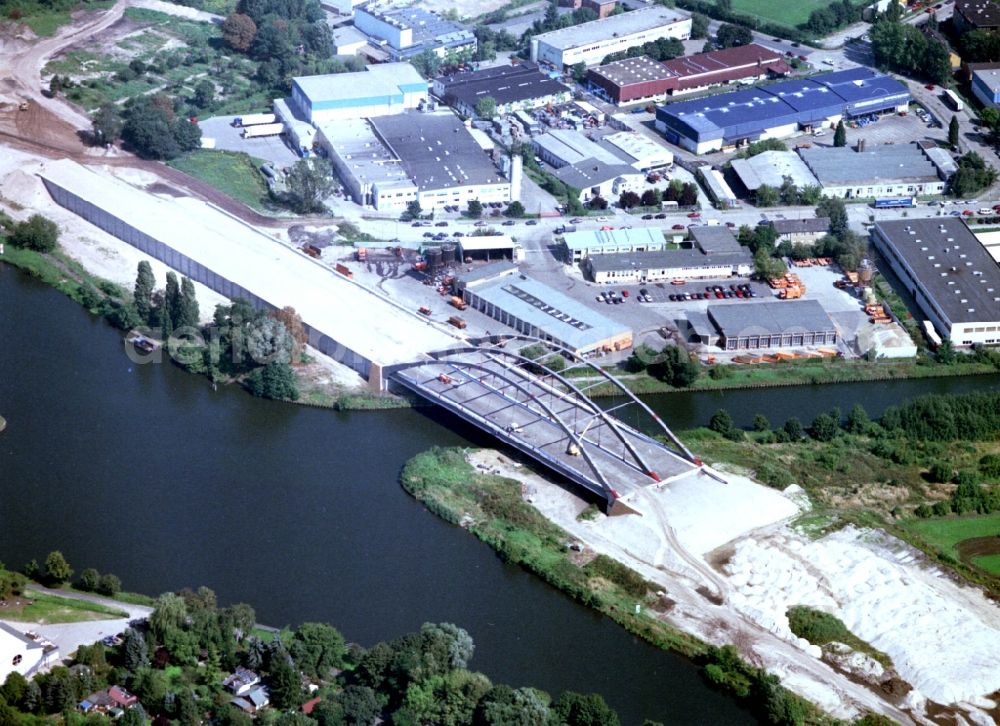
(378, 91)
(876, 171)
(408, 32)
(949, 273)
(683, 264)
(535, 309)
(235, 260)
(642, 78)
(568, 147)
(779, 324)
(388, 161)
(591, 42)
(513, 88)
(581, 245)
(779, 110)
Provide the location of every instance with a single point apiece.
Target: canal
(149, 473)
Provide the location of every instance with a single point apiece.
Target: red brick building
(639, 79)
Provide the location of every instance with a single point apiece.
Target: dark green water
(149, 473)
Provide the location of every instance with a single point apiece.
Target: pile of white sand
(944, 639)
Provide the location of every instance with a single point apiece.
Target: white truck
(954, 100)
(254, 119)
(253, 132)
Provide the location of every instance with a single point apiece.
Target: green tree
(413, 209)
(316, 648)
(57, 569)
(514, 209)
(89, 579)
(628, 200)
(598, 203)
(767, 267)
(825, 427)
(486, 107)
(169, 614)
(359, 705)
(721, 422)
(973, 175)
(107, 124)
(858, 421)
(793, 429)
(275, 380)
(675, 366)
(268, 341)
(760, 423)
(699, 26)
(36, 233)
(731, 36)
(767, 196)
(651, 198)
(840, 135)
(309, 184)
(953, 131)
(145, 284)
(475, 209)
(579, 71)
(836, 210)
(285, 684)
(109, 585)
(575, 709)
(204, 93)
(189, 314)
(171, 308)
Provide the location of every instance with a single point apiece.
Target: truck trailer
(253, 132)
(254, 119)
(954, 100)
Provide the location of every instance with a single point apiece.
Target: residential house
(241, 681)
(253, 700)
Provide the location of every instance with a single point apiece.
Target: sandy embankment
(944, 638)
(103, 255)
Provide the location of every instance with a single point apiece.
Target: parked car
(661, 216)
(624, 293)
(509, 223)
(441, 224)
(678, 226)
(602, 219)
(647, 216)
(531, 222)
(694, 215)
(429, 235)
(575, 220)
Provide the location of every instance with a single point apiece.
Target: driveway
(269, 148)
(70, 636)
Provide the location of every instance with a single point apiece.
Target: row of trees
(973, 175)
(418, 678)
(661, 49)
(905, 49)
(56, 572)
(176, 306)
(36, 233)
(671, 364)
(149, 125)
(825, 20)
(788, 194)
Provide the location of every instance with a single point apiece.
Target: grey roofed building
(591, 173)
(778, 324)
(770, 168)
(436, 150)
(504, 84)
(641, 69)
(713, 240)
(951, 275)
(667, 259)
(525, 303)
(486, 273)
(801, 226)
(839, 166)
(943, 160)
(562, 147)
(598, 31)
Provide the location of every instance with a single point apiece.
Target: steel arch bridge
(548, 415)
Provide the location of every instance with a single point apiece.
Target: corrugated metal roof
(837, 166)
(785, 316)
(594, 239)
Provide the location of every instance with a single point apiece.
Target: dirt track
(55, 129)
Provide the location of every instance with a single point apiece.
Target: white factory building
(380, 90)
(591, 42)
(951, 275)
(388, 161)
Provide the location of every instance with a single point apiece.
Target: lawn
(37, 607)
(45, 21)
(947, 532)
(235, 174)
(784, 13)
(989, 563)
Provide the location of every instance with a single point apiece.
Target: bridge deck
(528, 415)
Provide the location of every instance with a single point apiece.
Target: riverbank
(493, 508)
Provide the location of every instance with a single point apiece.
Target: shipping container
(457, 322)
(459, 303)
(344, 270)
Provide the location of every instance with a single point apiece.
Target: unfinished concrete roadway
(546, 416)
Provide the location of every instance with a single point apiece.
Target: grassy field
(42, 608)
(989, 563)
(232, 173)
(45, 20)
(947, 532)
(785, 13)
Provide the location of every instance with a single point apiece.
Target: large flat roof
(630, 71)
(357, 145)
(749, 112)
(428, 27)
(562, 317)
(573, 147)
(770, 168)
(349, 313)
(714, 239)
(590, 239)
(604, 29)
(667, 259)
(504, 84)
(591, 172)
(757, 318)
(436, 150)
(383, 79)
(989, 78)
(842, 165)
(715, 61)
(951, 264)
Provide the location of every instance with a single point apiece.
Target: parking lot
(269, 148)
(891, 129)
